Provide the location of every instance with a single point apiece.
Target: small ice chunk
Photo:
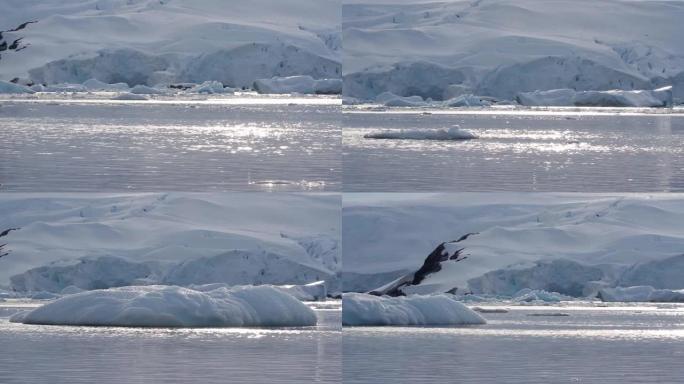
(453, 133)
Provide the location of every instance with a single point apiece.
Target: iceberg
(641, 293)
(172, 306)
(360, 309)
(307, 292)
(661, 97)
(453, 133)
(211, 87)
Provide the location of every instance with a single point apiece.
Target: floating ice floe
(363, 309)
(453, 133)
(171, 306)
(642, 293)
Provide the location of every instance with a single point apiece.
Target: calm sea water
(183, 145)
(613, 344)
(571, 150)
(56, 354)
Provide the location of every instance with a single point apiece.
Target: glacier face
(501, 48)
(151, 42)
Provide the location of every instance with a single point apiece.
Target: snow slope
(500, 243)
(169, 306)
(165, 41)
(501, 47)
(95, 241)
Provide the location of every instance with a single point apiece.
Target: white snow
(642, 293)
(151, 41)
(360, 309)
(94, 241)
(308, 292)
(169, 306)
(7, 87)
(443, 49)
(573, 244)
(453, 133)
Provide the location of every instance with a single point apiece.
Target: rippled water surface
(96, 145)
(550, 344)
(56, 354)
(522, 151)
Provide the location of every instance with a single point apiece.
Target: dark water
(590, 345)
(570, 152)
(58, 146)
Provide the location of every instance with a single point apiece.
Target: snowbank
(362, 309)
(168, 306)
(298, 84)
(643, 293)
(453, 133)
(661, 97)
(8, 87)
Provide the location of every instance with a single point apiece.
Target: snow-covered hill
(166, 41)
(501, 243)
(501, 47)
(101, 241)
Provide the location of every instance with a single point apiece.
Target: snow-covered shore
(577, 245)
(96, 241)
(442, 50)
(153, 42)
